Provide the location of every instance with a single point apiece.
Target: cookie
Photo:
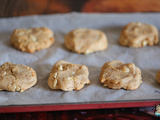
(33, 39)
(116, 75)
(16, 77)
(158, 77)
(86, 40)
(138, 34)
(67, 76)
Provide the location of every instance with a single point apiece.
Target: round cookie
(158, 77)
(137, 34)
(116, 75)
(86, 40)
(16, 77)
(33, 39)
(67, 76)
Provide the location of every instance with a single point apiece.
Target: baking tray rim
(78, 106)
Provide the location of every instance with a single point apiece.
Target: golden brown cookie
(67, 76)
(158, 77)
(16, 77)
(86, 40)
(137, 34)
(33, 39)
(116, 75)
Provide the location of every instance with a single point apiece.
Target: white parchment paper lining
(147, 58)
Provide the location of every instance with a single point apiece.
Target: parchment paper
(147, 58)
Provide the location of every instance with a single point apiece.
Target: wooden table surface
(103, 114)
(9, 8)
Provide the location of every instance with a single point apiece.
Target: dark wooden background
(10, 8)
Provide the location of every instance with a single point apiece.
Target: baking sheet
(147, 58)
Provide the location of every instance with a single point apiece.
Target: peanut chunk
(60, 68)
(14, 69)
(125, 69)
(144, 43)
(32, 38)
(55, 75)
